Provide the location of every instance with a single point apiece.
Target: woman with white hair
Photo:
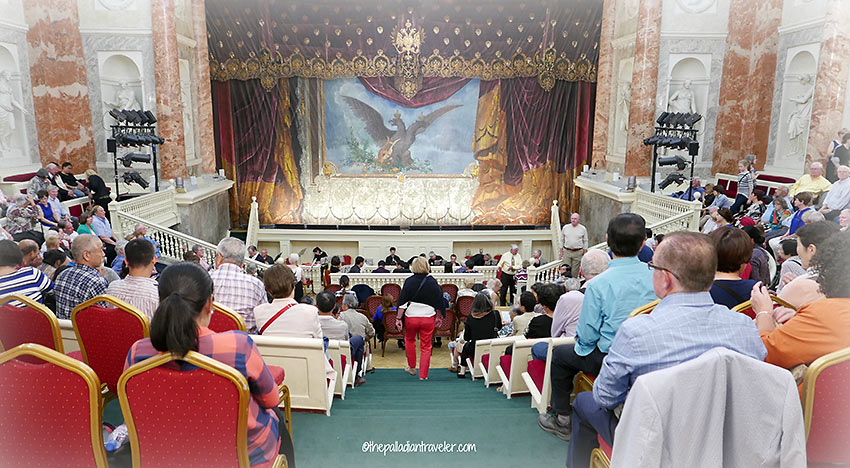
(20, 219)
(844, 219)
(294, 265)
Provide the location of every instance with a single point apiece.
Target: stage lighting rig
(674, 130)
(134, 128)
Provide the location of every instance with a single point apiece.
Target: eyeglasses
(653, 266)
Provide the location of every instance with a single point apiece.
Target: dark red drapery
(433, 90)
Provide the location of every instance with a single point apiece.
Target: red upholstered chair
(601, 457)
(445, 326)
(346, 259)
(391, 289)
(826, 409)
(333, 288)
(224, 319)
(50, 411)
(391, 332)
(181, 430)
(22, 320)
(464, 308)
(105, 335)
(372, 303)
(451, 289)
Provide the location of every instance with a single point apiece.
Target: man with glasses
(608, 300)
(685, 324)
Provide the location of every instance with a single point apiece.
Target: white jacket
(722, 409)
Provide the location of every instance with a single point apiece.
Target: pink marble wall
(831, 81)
(203, 118)
(746, 92)
(169, 108)
(644, 86)
(604, 69)
(59, 83)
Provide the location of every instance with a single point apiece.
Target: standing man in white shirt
(573, 243)
(509, 264)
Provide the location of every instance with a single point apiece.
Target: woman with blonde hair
(419, 301)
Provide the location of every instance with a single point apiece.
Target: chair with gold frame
(223, 319)
(746, 307)
(644, 309)
(826, 412)
(155, 423)
(600, 457)
(30, 322)
(69, 431)
(105, 335)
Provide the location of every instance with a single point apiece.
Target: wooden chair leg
(384, 345)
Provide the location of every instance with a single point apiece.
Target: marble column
(644, 88)
(831, 81)
(604, 69)
(59, 83)
(169, 108)
(204, 119)
(747, 79)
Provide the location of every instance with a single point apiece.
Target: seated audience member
(45, 211)
(118, 263)
(792, 265)
(81, 281)
(803, 202)
(264, 257)
(482, 324)
(103, 230)
(109, 275)
(724, 217)
(479, 259)
(819, 327)
(67, 234)
(466, 290)
(332, 326)
(760, 261)
(804, 289)
(199, 251)
(402, 267)
(813, 217)
(720, 198)
(189, 256)
(522, 273)
(142, 231)
(344, 283)
(180, 325)
(814, 182)
(520, 315)
(20, 218)
(358, 265)
(709, 223)
(86, 220)
(755, 207)
(378, 318)
(51, 243)
(696, 192)
(253, 253)
(381, 267)
(541, 325)
(39, 182)
(685, 324)
(33, 258)
(285, 316)
(71, 183)
(434, 259)
(734, 250)
(844, 219)
(335, 263)
(392, 258)
(361, 331)
(625, 285)
(60, 213)
(838, 196)
(565, 317)
(138, 288)
(779, 214)
(15, 279)
(493, 287)
(235, 289)
(55, 259)
(450, 266)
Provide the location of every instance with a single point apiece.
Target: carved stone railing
(659, 209)
(687, 221)
(159, 208)
(544, 273)
(376, 280)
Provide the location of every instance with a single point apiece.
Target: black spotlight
(678, 161)
(128, 159)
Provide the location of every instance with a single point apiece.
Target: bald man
(82, 280)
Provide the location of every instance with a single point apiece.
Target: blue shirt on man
(608, 300)
(681, 327)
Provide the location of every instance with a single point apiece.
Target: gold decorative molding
(269, 66)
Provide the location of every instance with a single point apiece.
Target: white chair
(336, 350)
(311, 384)
(512, 382)
(497, 349)
(482, 347)
(540, 397)
(69, 338)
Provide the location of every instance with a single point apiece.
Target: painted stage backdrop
(367, 134)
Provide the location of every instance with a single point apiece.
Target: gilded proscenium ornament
(408, 77)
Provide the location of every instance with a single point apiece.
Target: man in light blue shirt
(103, 230)
(608, 300)
(685, 324)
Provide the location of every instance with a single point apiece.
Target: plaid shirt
(681, 327)
(239, 292)
(75, 285)
(237, 350)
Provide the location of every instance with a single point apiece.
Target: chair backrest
(50, 411)
(224, 319)
(444, 326)
(333, 288)
(372, 304)
(451, 289)
(464, 306)
(826, 408)
(389, 325)
(31, 322)
(180, 430)
(105, 335)
(391, 289)
(746, 307)
(304, 360)
(644, 309)
(346, 259)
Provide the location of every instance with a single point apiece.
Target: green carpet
(394, 406)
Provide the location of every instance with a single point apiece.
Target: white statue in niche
(125, 98)
(624, 100)
(798, 121)
(683, 100)
(8, 104)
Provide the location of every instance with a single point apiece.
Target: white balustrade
(376, 280)
(158, 208)
(544, 273)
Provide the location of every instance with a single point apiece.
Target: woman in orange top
(820, 327)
